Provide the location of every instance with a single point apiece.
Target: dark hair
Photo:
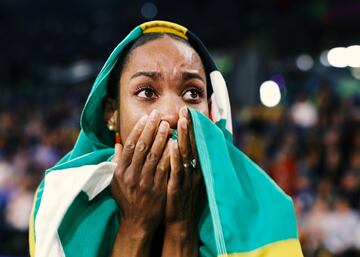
(113, 83)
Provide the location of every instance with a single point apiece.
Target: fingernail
(154, 114)
(163, 127)
(169, 143)
(143, 119)
(175, 144)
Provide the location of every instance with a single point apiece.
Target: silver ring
(186, 165)
(192, 164)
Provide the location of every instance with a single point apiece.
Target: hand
(139, 182)
(185, 182)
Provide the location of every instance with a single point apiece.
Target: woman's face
(163, 74)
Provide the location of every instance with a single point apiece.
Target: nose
(169, 110)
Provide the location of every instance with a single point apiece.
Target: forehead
(164, 54)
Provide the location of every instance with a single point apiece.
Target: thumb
(118, 150)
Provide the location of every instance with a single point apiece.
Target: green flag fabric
(246, 215)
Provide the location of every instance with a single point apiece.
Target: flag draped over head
(247, 214)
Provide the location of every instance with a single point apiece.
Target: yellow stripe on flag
(164, 27)
(32, 228)
(285, 248)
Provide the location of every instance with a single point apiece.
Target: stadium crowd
(311, 148)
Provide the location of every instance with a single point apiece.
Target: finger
(154, 155)
(184, 144)
(117, 174)
(197, 175)
(163, 168)
(117, 153)
(176, 172)
(192, 141)
(145, 141)
(185, 113)
(192, 178)
(130, 143)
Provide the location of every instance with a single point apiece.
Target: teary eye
(146, 92)
(192, 94)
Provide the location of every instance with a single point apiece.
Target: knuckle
(118, 174)
(139, 128)
(130, 178)
(152, 157)
(151, 125)
(161, 168)
(141, 146)
(129, 146)
(130, 182)
(143, 186)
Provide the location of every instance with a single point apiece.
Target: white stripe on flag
(221, 97)
(61, 188)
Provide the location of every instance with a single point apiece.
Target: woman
(149, 200)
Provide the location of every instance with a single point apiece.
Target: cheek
(203, 108)
(130, 113)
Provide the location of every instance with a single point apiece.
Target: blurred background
(293, 73)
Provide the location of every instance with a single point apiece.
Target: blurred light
(304, 114)
(353, 53)
(270, 93)
(304, 62)
(149, 10)
(337, 57)
(80, 70)
(342, 57)
(324, 59)
(355, 72)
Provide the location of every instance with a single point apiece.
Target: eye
(193, 94)
(146, 92)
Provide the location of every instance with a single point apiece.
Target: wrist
(180, 240)
(181, 231)
(131, 241)
(134, 232)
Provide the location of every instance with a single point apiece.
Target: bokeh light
(270, 95)
(337, 57)
(304, 62)
(353, 55)
(323, 58)
(304, 114)
(341, 57)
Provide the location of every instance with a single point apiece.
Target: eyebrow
(151, 74)
(157, 75)
(192, 75)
